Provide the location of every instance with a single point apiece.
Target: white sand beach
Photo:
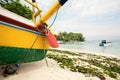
(39, 71)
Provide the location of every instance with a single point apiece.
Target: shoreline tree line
(70, 36)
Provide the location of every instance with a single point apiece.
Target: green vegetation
(111, 74)
(16, 7)
(111, 67)
(103, 65)
(111, 70)
(64, 61)
(88, 70)
(70, 64)
(66, 37)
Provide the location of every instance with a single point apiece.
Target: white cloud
(46, 4)
(83, 8)
(87, 8)
(90, 31)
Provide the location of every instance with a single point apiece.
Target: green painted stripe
(12, 55)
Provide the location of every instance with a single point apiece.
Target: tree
(16, 7)
(70, 36)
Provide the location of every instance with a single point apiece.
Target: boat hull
(14, 55)
(20, 45)
(102, 44)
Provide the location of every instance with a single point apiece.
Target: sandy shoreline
(88, 63)
(39, 70)
(88, 52)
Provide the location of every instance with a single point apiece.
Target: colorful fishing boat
(22, 40)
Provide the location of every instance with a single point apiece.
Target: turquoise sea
(93, 46)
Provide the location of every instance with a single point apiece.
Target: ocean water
(93, 46)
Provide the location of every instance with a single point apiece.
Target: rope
(41, 33)
(45, 52)
(48, 34)
(45, 32)
(29, 51)
(54, 20)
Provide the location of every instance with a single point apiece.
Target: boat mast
(48, 14)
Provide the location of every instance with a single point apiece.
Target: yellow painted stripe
(19, 38)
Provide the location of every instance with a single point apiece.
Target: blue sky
(96, 19)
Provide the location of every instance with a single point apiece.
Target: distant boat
(105, 43)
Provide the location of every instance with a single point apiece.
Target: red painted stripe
(15, 22)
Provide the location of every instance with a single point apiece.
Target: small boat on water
(105, 43)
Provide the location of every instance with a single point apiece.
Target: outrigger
(23, 42)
